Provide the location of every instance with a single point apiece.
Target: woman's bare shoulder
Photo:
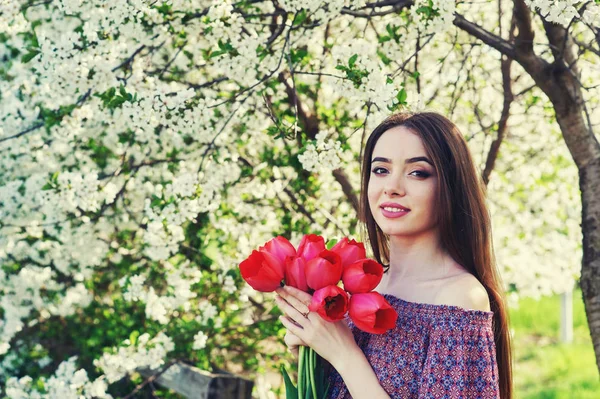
(464, 291)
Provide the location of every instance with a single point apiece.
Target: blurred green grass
(545, 368)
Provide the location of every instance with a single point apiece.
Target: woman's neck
(418, 258)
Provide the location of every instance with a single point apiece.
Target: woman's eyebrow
(410, 160)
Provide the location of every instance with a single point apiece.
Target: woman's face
(402, 175)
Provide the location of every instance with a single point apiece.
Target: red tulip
(310, 246)
(371, 313)
(280, 248)
(330, 302)
(324, 270)
(362, 276)
(350, 251)
(295, 273)
(262, 271)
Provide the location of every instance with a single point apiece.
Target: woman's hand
(293, 342)
(331, 340)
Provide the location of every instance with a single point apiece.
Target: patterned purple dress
(435, 351)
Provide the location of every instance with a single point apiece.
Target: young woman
(423, 205)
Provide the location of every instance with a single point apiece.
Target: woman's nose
(395, 186)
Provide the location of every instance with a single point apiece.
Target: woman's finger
(293, 342)
(302, 296)
(292, 299)
(291, 326)
(291, 311)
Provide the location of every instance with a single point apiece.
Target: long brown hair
(462, 216)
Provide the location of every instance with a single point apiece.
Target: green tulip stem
(312, 365)
(301, 371)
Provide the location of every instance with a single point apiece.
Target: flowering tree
(146, 148)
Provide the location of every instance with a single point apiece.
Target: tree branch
(311, 126)
(505, 65)
(14, 136)
(485, 36)
(309, 120)
(342, 178)
(587, 47)
(524, 39)
(277, 29)
(503, 123)
(561, 47)
(396, 6)
(171, 60)
(35, 127)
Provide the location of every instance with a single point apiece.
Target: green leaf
(291, 392)
(133, 337)
(352, 60)
(389, 80)
(401, 96)
(424, 10)
(29, 56)
(331, 243)
(320, 377)
(298, 55)
(386, 60)
(300, 18)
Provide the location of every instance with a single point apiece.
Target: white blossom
(199, 341)
(147, 352)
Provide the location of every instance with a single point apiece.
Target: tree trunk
(573, 128)
(589, 183)
(560, 81)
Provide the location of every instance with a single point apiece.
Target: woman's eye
(376, 169)
(420, 173)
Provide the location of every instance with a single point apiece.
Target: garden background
(146, 147)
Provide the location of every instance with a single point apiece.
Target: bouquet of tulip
(318, 271)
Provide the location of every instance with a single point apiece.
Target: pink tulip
(362, 276)
(324, 270)
(330, 302)
(295, 273)
(310, 246)
(262, 271)
(350, 251)
(280, 248)
(371, 313)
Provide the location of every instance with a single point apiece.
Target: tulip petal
(310, 246)
(295, 274)
(362, 276)
(262, 271)
(323, 270)
(330, 302)
(371, 313)
(350, 251)
(280, 248)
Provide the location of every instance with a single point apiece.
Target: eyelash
(423, 173)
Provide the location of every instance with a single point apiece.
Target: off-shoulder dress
(434, 351)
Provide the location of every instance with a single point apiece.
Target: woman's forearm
(359, 377)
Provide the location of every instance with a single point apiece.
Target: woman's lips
(393, 215)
